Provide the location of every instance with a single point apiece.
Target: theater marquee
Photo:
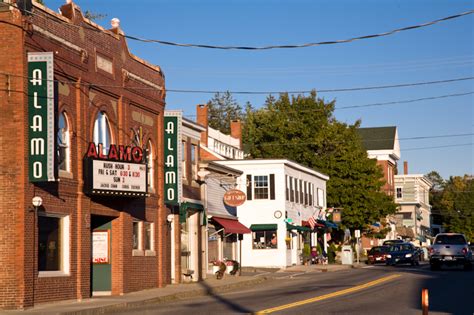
(121, 172)
(41, 110)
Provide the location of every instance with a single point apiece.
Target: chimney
(115, 23)
(202, 119)
(236, 131)
(405, 168)
(67, 10)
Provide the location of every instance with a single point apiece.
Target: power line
(373, 104)
(440, 146)
(305, 45)
(300, 45)
(376, 87)
(363, 88)
(287, 143)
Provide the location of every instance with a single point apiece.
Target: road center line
(330, 295)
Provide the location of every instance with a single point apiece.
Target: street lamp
(37, 201)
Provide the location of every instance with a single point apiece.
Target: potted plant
(306, 255)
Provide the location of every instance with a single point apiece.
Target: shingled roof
(378, 138)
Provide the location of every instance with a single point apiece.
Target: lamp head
(37, 201)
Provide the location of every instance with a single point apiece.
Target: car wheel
(468, 266)
(434, 267)
(412, 263)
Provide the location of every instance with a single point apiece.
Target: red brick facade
(131, 93)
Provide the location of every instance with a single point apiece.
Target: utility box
(347, 257)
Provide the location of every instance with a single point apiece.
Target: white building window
(399, 192)
(150, 164)
(183, 159)
(261, 187)
(102, 132)
(194, 161)
(149, 236)
(320, 197)
(53, 244)
(137, 238)
(265, 239)
(64, 143)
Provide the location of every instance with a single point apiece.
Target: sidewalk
(108, 304)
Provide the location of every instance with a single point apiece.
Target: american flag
(312, 222)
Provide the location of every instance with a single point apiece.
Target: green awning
(299, 228)
(264, 227)
(185, 206)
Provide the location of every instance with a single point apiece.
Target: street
(369, 290)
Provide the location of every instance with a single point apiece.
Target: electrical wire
(305, 45)
(440, 146)
(362, 88)
(332, 42)
(368, 140)
(371, 104)
(376, 87)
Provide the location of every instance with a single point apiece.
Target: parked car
(403, 253)
(392, 242)
(377, 254)
(450, 249)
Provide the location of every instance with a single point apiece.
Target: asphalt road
(370, 290)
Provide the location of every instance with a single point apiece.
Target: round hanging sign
(234, 198)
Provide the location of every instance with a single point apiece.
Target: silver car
(450, 249)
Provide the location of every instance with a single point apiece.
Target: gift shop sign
(234, 198)
(172, 136)
(121, 171)
(41, 110)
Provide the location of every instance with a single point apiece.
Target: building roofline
(287, 162)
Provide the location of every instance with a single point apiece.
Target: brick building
(101, 226)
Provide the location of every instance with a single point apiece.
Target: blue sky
(438, 52)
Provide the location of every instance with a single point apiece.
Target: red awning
(232, 226)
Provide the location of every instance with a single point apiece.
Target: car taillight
(431, 250)
(464, 251)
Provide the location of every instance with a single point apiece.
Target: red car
(377, 254)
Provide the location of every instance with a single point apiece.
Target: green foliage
(223, 108)
(303, 129)
(40, 1)
(94, 16)
(306, 251)
(457, 202)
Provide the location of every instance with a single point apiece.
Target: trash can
(347, 255)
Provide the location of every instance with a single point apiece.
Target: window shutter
(272, 186)
(249, 187)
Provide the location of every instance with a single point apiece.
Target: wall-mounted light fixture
(37, 202)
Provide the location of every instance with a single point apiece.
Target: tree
(304, 129)
(94, 16)
(458, 206)
(223, 108)
(436, 179)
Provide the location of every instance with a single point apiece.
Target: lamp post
(37, 202)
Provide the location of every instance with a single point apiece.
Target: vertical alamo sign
(172, 157)
(41, 117)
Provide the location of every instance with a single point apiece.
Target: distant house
(382, 144)
(414, 215)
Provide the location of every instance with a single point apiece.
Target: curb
(123, 306)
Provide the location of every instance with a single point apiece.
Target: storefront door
(101, 243)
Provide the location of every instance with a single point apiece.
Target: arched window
(102, 132)
(64, 143)
(150, 161)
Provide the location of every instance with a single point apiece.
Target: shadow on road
(451, 289)
(227, 302)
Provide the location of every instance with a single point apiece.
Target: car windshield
(377, 250)
(450, 240)
(398, 248)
